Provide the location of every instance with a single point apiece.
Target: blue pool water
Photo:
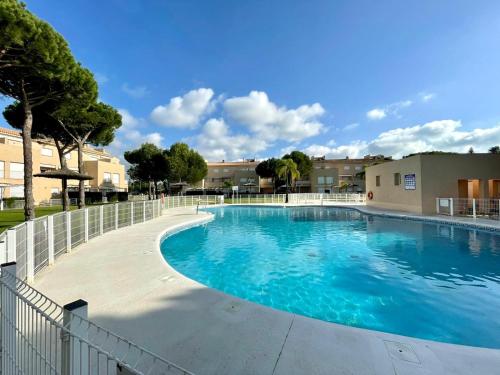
(412, 278)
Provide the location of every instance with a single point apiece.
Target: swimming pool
(413, 278)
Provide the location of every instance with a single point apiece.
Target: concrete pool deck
(133, 292)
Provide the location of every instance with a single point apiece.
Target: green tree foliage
(287, 170)
(494, 150)
(304, 163)
(35, 65)
(267, 169)
(94, 123)
(186, 165)
(148, 164)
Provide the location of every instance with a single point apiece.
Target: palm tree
(287, 169)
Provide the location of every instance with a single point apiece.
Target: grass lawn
(10, 218)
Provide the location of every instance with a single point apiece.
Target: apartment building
(224, 175)
(107, 171)
(327, 176)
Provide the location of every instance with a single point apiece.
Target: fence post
(86, 224)
(451, 206)
(50, 239)
(321, 199)
(474, 208)
(116, 215)
(143, 211)
(8, 320)
(101, 219)
(437, 206)
(75, 353)
(30, 251)
(498, 209)
(68, 231)
(11, 245)
(131, 213)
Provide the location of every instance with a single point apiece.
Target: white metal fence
(257, 198)
(37, 243)
(191, 200)
(484, 208)
(324, 199)
(38, 336)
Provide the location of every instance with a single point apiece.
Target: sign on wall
(410, 182)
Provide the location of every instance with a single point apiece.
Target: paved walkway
(133, 292)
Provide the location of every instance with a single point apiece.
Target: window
(321, 180)
(347, 167)
(17, 171)
(358, 167)
(243, 180)
(46, 151)
(17, 191)
(397, 179)
(2, 169)
(46, 167)
(216, 171)
(116, 178)
(107, 177)
(226, 170)
(329, 180)
(377, 180)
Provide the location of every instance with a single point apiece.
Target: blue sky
(243, 79)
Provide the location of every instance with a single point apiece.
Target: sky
(256, 79)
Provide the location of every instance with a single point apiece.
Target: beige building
(413, 184)
(223, 175)
(327, 176)
(109, 174)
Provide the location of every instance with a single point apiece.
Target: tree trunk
(29, 209)
(64, 184)
(81, 184)
(155, 187)
(149, 189)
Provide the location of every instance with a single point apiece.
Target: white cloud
(391, 109)
(132, 134)
(444, 135)
(128, 120)
(135, 92)
(427, 96)
(185, 111)
(376, 114)
(351, 126)
(216, 143)
(270, 122)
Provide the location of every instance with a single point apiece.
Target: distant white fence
(191, 200)
(325, 199)
(484, 208)
(257, 199)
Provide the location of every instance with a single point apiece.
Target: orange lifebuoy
(370, 195)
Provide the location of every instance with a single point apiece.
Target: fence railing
(256, 199)
(38, 336)
(37, 243)
(319, 198)
(484, 208)
(191, 200)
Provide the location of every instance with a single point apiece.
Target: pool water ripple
(419, 279)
